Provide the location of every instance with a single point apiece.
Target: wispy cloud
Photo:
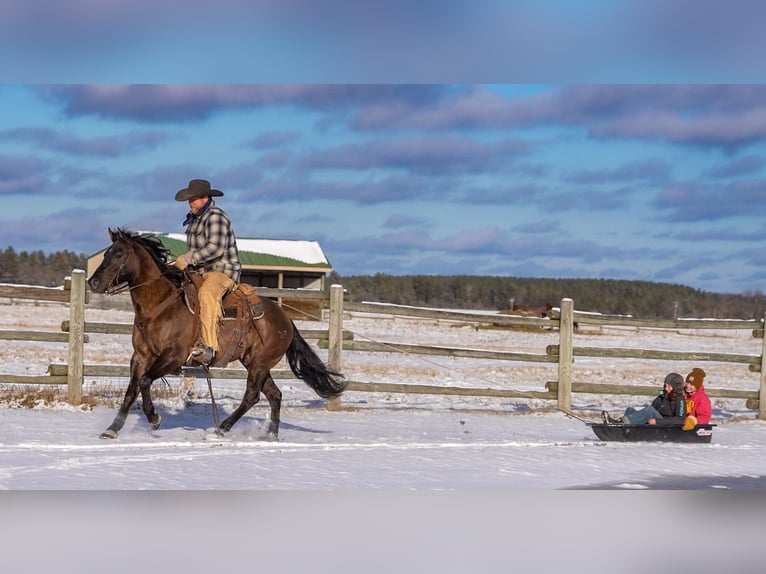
(69, 143)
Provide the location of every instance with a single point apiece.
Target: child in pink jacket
(698, 408)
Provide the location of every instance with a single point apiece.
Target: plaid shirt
(211, 243)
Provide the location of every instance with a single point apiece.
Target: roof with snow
(264, 253)
(274, 254)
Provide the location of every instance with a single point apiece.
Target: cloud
(724, 116)
(725, 130)
(66, 142)
(742, 166)
(273, 139)
(489, 251)
(588, 200)
(718, 236)
(727, 116)
(720, 116)
(395, 41)
(725, 37)
(384, 190)
(23, 175)
(73, 229)
(189, 103)
(133, 188)
(443, 155)
(399, 220)
(650, 170)
(691, 201)
(502, 194)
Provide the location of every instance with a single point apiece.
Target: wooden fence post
(566, 354)
(762, 390)
(335, 338)
(76, 337)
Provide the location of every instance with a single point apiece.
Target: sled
(658, 433)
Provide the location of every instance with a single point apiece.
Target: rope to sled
(212, 400)
(428, 361)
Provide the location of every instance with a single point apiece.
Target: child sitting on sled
(669, 408)
(698, 408)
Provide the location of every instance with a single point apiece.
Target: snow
(388, 471)
(379, 440)
(301, 250)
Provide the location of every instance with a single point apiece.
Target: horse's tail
(307, 365)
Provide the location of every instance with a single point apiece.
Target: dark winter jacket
(672, 409)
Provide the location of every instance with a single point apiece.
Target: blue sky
(651, 182)
(446, 142)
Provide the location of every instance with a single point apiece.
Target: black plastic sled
(657, 433)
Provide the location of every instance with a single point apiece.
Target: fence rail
(336, 340)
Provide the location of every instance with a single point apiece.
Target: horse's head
(133, 258)
(120, 265)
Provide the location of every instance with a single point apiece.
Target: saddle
(239, 302)
(241, 306)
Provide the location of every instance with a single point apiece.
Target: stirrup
(200, 354)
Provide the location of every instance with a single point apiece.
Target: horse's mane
(159, 253)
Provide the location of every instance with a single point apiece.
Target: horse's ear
(112, 234)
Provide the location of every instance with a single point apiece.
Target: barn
(275, 263)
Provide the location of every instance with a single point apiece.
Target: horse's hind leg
(255, 380)
(274, 396)
(145, 384)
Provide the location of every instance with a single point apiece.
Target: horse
(525, 311)
(165, 328)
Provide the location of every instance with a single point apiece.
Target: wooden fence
(75, 294)
(337, 341)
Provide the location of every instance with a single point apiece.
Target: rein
(122, 287)
(112, 289)
(160, 308)
(144, 321)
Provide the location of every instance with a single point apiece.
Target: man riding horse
(211, 250)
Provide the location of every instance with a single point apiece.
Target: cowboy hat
(197, 188)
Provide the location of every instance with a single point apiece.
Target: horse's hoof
(156, 424)
(109, 433)
(270, 437)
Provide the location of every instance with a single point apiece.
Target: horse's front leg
(131, 393)
(141, 378)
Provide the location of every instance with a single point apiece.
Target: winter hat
(696, 377)
(676, 381)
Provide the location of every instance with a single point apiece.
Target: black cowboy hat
(197, 188)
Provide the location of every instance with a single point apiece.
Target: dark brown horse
(164, 332)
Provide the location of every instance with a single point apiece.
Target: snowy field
(379, 440)
(390, 481)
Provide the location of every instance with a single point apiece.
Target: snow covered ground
(391, 481)
(379, 440)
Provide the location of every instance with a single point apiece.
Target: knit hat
(696, 377)
(676, 381)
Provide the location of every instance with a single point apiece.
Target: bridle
(114, 288)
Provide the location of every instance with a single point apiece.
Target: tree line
(640, 299)
(37, 268)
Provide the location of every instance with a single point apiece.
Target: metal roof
(285, 254)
